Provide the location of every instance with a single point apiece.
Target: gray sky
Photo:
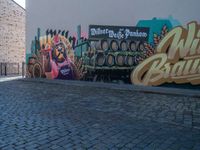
(67, 14)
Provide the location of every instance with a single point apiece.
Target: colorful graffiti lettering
(176, 60)
(173, 56)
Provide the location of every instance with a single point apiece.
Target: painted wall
(68, 14)
(55, 54)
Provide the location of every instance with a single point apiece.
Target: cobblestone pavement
(52, 116)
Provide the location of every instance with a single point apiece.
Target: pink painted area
(83, 34)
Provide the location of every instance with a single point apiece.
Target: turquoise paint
(155, 25)
(82, 48)
(27, 57)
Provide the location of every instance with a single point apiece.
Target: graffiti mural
(152, 53)
(177, 59)
(53, 57)
(106, 57)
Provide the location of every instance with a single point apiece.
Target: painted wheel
(37, 71)
(31, 62)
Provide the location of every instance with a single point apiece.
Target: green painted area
(155, 25)
(27, 57)
(81, 48)
(81, 45)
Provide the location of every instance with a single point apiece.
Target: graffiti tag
(177, 59)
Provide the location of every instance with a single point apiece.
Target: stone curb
(9, 78)
(137, 88)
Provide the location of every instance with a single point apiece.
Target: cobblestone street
(42, 116)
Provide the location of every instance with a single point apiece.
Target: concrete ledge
(9, 78)
(144, 89)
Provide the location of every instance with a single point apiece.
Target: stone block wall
(12, 32)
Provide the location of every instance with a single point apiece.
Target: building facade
(12, 32)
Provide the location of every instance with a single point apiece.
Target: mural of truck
(109, 54)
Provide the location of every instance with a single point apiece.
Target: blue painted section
(80, 50)
(155, 26)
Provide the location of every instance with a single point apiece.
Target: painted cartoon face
(59, 52)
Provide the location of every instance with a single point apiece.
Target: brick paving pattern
(52, 116)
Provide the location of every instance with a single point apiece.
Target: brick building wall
(12, 32)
